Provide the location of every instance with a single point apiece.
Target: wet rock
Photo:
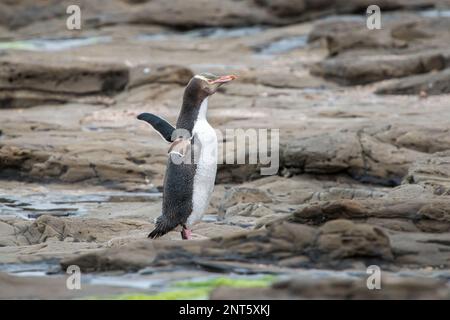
(49, 250)
(75, 166)
(406, 46)
(163, 74)
(336, 193)
(248, 215)
(326, 28)
(428, 214)
(290, 193)
(279, 12)
(426, 249)
(29, 98)
(242, 195)
(48, 228)
(80, 229)
(432, 172)
(401, 33)
(8, 232)
(195, 14)
(367, 69)
(342, 239)
(279, 241)
(419, 138)
(116, 258)
(19, 15)
(51, 237)
(248, 209)
(429, 84)
(27, 81)
(393, 287)
(394, 224)
(68, 76)
(204, 230)
(381, 39)
(355, 153)
(322, 154)
(282, 80)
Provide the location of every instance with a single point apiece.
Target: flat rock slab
(424, 85)
(409, 47)
(393, 287)
(368, 69)
(428, 214)
(69, 76)
(339, 239)
(50, 237)
(196, 13)
(432, 172)
(31, 79)
(355, 153)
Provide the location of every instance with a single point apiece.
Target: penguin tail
(156, 233)
(162, 227)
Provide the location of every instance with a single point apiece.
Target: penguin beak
(224, 79)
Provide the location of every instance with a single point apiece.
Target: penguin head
(206, 84)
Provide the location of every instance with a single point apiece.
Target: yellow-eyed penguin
(192, 164)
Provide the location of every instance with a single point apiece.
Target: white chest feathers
(206, 160)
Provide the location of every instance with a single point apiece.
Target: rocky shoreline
(364, 174)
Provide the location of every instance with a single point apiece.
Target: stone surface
(197, 13)
(338, 239)
(241, 195)
(336, 288)
(369, 69)
(429, 214)
(410, 47)
(432, 172)
(428, 84)
(355, 153)
(28, 81)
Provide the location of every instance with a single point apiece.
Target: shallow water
(65, 203)
(284, 45)
(40, 269)
(52, 44)
(435, 13)
(209, 33)
(221, 33)
(190, 283)
(47, 45)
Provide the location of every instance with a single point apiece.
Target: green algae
(226, 282)
(52, 44)
(196, 289)
(194, 294)
(16, 45)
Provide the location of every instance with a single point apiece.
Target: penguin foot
(186, 234)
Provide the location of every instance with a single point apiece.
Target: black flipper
(164, 128)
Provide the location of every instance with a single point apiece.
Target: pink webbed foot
(186, 234)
